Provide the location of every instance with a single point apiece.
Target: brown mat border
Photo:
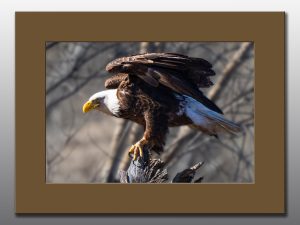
(266, 195)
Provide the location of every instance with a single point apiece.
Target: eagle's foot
(137, 149)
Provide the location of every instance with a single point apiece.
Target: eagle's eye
(94, 101)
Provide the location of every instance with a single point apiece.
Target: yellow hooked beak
(88, 106)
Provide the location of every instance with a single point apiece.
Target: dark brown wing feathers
(114, 81)
(182, 74)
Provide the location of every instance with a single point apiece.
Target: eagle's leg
(156, 128)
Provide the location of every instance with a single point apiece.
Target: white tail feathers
(207, 119)
(219, 119)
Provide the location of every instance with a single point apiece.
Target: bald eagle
(157, 91)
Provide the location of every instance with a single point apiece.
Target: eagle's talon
(141, 152)
(135, 155)
(131, 151)
(137, 150)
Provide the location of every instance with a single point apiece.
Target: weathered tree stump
(147, 170)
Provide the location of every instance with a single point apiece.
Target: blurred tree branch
(80, 61)
(216, 89)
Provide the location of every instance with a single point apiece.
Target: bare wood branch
(152, 171)
(187, 175)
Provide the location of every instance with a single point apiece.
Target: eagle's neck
(109, 102)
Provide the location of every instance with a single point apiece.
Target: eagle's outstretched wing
(182, 74)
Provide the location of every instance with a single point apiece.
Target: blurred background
(92, 147)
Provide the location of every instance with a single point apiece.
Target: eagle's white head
(104, 101)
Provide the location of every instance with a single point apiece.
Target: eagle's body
(160, 90)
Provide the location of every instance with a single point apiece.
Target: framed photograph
(150, 112)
